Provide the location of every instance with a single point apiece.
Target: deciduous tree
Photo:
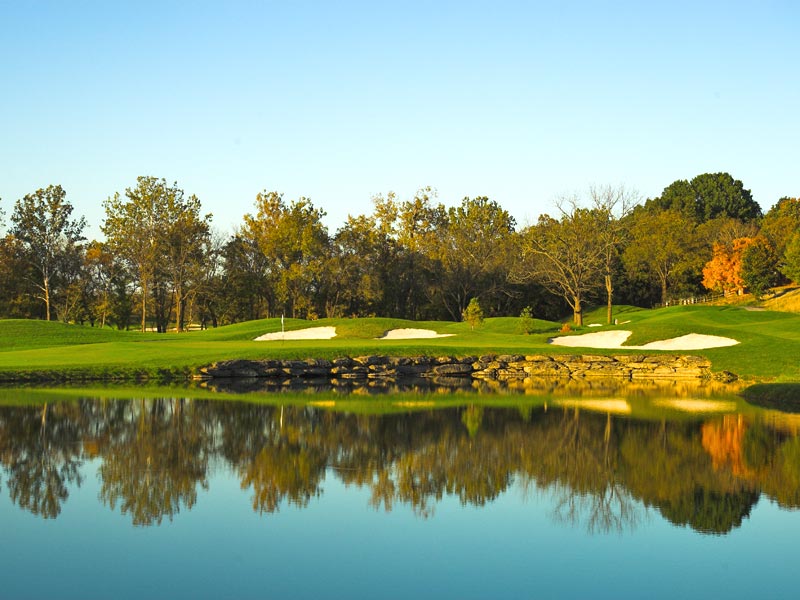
(707, 197)
(419, 222)
(612, 205)
(791, 259)
(678, 196)
(186, 236)
(565, 255)
(411, 271)
(246, 292)
(99, 267)
(781, 222)
(50, 238)
(133, 230)
(355, 281)
(720, 195)
(295, 243)
(161, 234)
(663, 244)
(759, 267)
(723, 273)
(725, 230)
(474, 248)
(15, 277)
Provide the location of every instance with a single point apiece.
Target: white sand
(691, 341)
(616, 339)
(413, 334)
(312, 333)
(326, 333)
(600, 339)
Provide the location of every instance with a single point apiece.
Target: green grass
(768, 350)
(24, 334)
(769, 342)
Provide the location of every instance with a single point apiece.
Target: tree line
(163, 266)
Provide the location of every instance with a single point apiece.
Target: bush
(526, 322)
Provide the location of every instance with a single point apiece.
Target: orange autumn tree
(724, 271)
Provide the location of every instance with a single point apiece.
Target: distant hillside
(789, 301)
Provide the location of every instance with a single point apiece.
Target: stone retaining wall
(490, 367)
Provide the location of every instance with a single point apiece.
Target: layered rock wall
(490, 367)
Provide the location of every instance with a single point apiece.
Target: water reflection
(604, 468)
(560, 386)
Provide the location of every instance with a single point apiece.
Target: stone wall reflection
(603, 471)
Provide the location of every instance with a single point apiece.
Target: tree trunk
(609, 293)
(664, 290)
(144, 306)
(47, 297)
(188, 311)
(577, 313)
(178, 309)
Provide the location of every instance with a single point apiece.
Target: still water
(416, 495)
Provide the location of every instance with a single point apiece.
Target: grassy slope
(770, 342)
(23, 334)
(126, 353)
(787, 300)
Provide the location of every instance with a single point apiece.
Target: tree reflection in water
(155, 455)
(41, 455)
(603, 471)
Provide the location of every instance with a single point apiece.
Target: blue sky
(339, 101)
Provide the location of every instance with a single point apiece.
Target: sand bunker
(312, 333)
(616, 339)
(413, 334)
(691, 341)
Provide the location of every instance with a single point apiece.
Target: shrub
(526, 322)
(473, 314)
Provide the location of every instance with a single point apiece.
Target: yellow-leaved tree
(723, 273)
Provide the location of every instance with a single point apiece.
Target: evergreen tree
(473, 314)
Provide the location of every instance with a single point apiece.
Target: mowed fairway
(769, 347)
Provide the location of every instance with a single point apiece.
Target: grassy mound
(24, 334)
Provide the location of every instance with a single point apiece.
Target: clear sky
(339, 101)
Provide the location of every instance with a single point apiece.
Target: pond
(410, 493)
